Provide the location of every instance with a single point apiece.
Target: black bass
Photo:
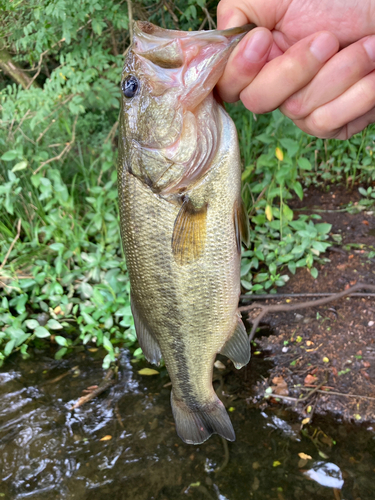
(182, 218)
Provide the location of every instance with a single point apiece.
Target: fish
(181, 215)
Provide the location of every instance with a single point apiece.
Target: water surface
(48, 452)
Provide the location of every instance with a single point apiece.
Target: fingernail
(257, 47)
(369, 46)
(324, 46)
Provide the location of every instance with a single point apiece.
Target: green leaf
(21, 339)
(41, 332)
(19, 166)
(259, 278)
(292, 267)
(298, 189)
(107, 344)
(61, 341)
(287, 212)
(323, 228)
(32, 324)
(9, 347)
(60, 353)
(321, 247)
(58, 247)
(9, 155)
(314, 272)
(304, 164)
(54, 325)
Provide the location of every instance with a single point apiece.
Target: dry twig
(63, 152)
(12, 244)
(130, 15)
(301, 305)
(305, 398)
(104, 385)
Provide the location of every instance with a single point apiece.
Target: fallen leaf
(366, 364)
(304, 456)
(148, 371)
(106, 438)
(276, 463)
(366, 222)
(342, 267)
(309, 379)
(309, 343)
(334, 371)
(280, 387)
(351, 256)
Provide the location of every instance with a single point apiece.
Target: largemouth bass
(182, 219)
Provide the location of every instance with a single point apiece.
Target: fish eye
(130, 86)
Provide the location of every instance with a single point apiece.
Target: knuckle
(319, 123)
(293, 107)
(365, 91)
(255, 104)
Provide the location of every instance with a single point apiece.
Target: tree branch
(14, 71)
(302, 305)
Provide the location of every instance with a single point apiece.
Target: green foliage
(280, 162)
(57, 173)
(63, 276)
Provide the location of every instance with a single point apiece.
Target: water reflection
(326, 474)
(50, 453)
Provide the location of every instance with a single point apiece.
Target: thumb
(266, 13)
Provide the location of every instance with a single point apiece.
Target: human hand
(294, 62)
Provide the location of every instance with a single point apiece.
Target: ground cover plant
(63, 277)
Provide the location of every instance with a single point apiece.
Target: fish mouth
(147, 28)
(228, 33)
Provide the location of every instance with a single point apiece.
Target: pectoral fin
(237, 348)
(241, 224)
(146, 339)
(189, 233)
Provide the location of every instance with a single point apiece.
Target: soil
(333, 344)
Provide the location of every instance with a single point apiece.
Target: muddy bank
(334, 343)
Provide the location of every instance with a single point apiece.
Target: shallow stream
(48, 452)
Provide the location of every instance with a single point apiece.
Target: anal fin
(241, 224)
(237, 348)
(189, 233)
(146, 339)
(196, 425)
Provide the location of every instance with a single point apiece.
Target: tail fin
(196, 425)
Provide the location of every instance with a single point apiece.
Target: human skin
(313, 59)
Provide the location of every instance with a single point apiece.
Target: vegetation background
(63, 277)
